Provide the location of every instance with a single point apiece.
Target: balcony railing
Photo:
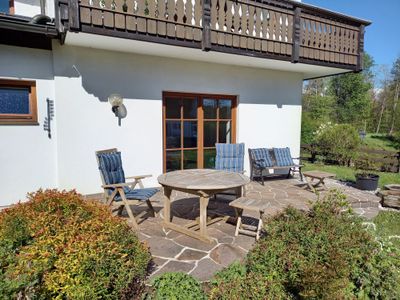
(284, 30)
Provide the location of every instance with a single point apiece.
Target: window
(18, 102)
(193, 123)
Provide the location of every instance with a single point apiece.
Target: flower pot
(367, 182)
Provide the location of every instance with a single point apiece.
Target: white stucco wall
(27, 155)
(269, 109)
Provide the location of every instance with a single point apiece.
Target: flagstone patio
(173, 251)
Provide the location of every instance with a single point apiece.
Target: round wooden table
(204, 183)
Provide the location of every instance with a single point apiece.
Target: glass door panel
(193, 124)
(224, 135)
(173, 130)
(209, 158)
(180, 133)
(210, 133)
(173, 160)
(189, 159)
(189, 134)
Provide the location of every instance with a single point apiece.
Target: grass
(347, 174)
(388, 224)
(379, 141)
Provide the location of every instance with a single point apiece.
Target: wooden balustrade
(264, 28)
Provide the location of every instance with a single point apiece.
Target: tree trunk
(395, 100)
(378, 127)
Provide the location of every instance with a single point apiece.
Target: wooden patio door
(192, 124)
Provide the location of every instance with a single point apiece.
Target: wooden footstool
(319, 175)
(258, 205)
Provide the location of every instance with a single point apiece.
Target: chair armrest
(138, 177)
(116, 185)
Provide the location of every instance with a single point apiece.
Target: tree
(353, 94)
(395, 86)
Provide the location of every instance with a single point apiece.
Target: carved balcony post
(296, 35)
(360, 58)
(73, 15)
(206, 40)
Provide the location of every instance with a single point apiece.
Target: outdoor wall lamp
(117, 106)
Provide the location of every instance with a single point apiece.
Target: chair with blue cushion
(260, 160)
(276, 159)
(117, 190)
(230, 158)
(283, 159)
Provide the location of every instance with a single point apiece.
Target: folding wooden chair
(117, 190)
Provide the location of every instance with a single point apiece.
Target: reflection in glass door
(193, 123)
(180, 133)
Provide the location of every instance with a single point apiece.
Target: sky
(382, 37)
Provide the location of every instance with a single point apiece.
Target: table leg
(203, 216)
(167, 204)
(309, 184)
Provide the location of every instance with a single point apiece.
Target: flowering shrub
(338, 142)
(57, 245)
(323, 254)
(177, 286)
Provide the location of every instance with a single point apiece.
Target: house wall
(269, 110)
(27, 155)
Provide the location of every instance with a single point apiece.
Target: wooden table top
(318, 174)
(203, 179)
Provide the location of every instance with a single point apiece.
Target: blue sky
(382, 38)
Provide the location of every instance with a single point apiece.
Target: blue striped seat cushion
(230, 157)
(283, 157)
(137, 194)
(261, 157)
(110, 165)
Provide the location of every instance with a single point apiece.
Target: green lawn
(388, 224)
(379, 141)
(347, 174)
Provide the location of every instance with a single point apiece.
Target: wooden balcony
(281, 30)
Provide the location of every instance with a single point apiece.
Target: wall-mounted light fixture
(118, 107)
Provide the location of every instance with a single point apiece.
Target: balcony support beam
(73, 15)
(206, 21)
(296, 35)
(360, 58)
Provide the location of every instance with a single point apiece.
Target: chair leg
(259, 227)
(301, 174)
(128, 209)
(151, 209)
(239, 213)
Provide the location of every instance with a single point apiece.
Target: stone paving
(173, 251)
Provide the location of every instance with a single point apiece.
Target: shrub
(176, 286)
(338, 142)
(234, 283)
(308, 127)
(57, 245)
(323, 254)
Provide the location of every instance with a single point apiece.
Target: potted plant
(366, 178)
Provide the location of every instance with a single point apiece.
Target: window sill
(19, 122)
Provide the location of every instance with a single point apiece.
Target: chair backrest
(260, 157)
(110, 166)
(230, 157)
(283, 157)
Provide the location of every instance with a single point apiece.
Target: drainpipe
(43, 7)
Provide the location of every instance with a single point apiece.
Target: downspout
(43, 7)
